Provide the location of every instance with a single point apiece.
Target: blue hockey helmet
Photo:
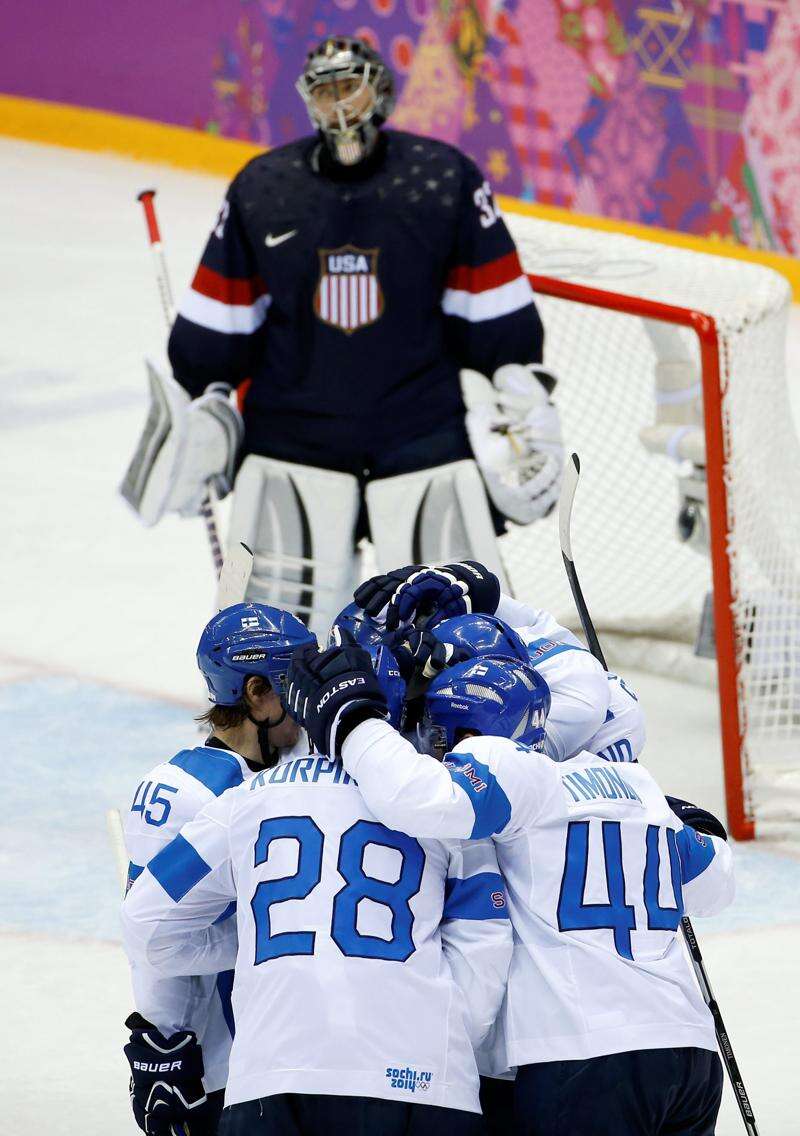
(482, 635)
(248, 639)
(499, 697)
(361, 627)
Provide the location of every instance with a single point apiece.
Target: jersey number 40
(358, 886)
(617, 915)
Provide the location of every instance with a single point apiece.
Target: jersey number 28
(357, 887)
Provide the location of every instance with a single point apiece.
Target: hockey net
(673, 391)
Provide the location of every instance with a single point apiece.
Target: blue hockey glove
(699, 819)
(167, 1093)
(416, 591)
(330, 692)
(374, 594)
(421, 656)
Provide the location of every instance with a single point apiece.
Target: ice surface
(97, 675)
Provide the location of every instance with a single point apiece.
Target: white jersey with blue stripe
(355, 941)
(599, 871)
(171, 794)
(591, 709)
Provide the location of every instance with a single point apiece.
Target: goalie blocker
(185, 446)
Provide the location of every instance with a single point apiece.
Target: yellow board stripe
(84, 129)
(81, 128)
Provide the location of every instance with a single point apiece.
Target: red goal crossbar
(705, 328)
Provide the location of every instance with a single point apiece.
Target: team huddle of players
(417, 881)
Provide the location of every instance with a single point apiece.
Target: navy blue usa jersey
(332, 296)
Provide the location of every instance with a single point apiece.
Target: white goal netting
(630, 393)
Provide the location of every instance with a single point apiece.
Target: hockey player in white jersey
(354, 945)
(591, 708)
(603, 1017)
(243, 654)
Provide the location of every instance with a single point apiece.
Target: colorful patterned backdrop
(684, 114)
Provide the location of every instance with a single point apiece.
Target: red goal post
(705, 328)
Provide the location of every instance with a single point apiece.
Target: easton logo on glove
(343, 685)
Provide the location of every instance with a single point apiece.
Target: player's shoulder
(590, 776)
(443, 156)
(486, 759)
(206, 770)
(176, 790)
(281, 162)
(483, 747)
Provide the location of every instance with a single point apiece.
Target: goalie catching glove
(407, 594)
(186, 445)
(516, 439)
(328, 693)
(167, 1093)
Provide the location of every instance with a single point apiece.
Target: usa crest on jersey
(349, 294)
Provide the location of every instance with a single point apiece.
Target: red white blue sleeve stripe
(231, 305)
(486, 291)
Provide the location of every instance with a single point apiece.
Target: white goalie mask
(349, 93)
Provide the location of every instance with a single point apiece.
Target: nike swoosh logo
(271, 241)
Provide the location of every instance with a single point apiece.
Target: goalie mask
(349, 93)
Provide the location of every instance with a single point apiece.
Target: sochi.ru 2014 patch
(411, 1080)
(349, 294)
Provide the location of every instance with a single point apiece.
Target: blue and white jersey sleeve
(534, 622)
(579, 693)
(591, 709)
(622, 736)
(174, 918)
(471, 795)
(707, 878)
(476, 933)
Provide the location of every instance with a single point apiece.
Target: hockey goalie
(350, 278)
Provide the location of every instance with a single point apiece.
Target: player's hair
(229, 717)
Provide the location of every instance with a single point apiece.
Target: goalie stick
(147, 200)
(566, 501)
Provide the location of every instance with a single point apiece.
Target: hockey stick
(235, 576)
(568, 489)
(147, 199)
(115, 835)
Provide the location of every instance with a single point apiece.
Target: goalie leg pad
(433, 516)
(299, 522)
